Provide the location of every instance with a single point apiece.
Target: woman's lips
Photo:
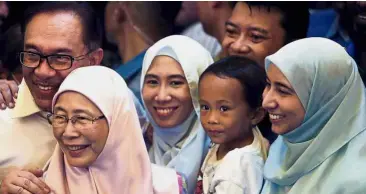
(76, 150)
(165, 111)
(275, 118)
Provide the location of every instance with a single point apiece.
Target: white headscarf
(123, 166)
(185, 158)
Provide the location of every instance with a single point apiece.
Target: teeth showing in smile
(44, 87)
(164, 111)
(274, 117)
(74, 148)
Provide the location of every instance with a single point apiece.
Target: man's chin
(44, 104)
(43, 99)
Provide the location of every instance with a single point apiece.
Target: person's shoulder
(5, 120)
(193, 29)
(240, 159)
(245, 154)
(251, 160)
(239, 168)
(5, 114)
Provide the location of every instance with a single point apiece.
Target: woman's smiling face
(166, 92)
(81, 143)
(282, 103)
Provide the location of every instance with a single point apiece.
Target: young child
(230, 93)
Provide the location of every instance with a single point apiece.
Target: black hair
(92, 28)
(253, 81)
(12, 41)
(250, 75)
(295, 16)
(161, 17)
(170, 10)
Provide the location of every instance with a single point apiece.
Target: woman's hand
(24, 182)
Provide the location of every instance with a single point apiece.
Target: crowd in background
(202, 21)
(216, 97)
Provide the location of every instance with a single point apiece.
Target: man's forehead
(54, 31)
(242, 8)
(55, 21)
(256, 15)
(49, 47)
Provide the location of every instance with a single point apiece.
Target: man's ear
(258, 115)
(116, 13)
(120, 13)
(96, 57)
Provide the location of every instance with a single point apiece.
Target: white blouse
(240, 171)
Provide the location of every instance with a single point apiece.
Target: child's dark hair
(250, 75)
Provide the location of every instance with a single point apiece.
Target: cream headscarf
(123, 166)
(169, 148)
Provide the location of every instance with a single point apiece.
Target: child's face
(225, 115)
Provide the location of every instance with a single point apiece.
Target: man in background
(258, 29)
(188, 18)
(213, 15)
(133, 27)
(353, 20)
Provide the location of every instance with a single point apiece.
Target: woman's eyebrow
(176, 76)
(279, 84)
(151, 76)
(79, 111)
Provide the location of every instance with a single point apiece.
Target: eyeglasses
(79, 122)
(55, 61)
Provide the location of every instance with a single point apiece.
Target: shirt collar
(130, 68)
(25, 104)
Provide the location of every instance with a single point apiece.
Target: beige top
(26, 138)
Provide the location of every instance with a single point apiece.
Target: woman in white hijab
(317, 105)
(170, 75)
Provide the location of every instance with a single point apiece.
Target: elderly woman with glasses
(100, 146)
